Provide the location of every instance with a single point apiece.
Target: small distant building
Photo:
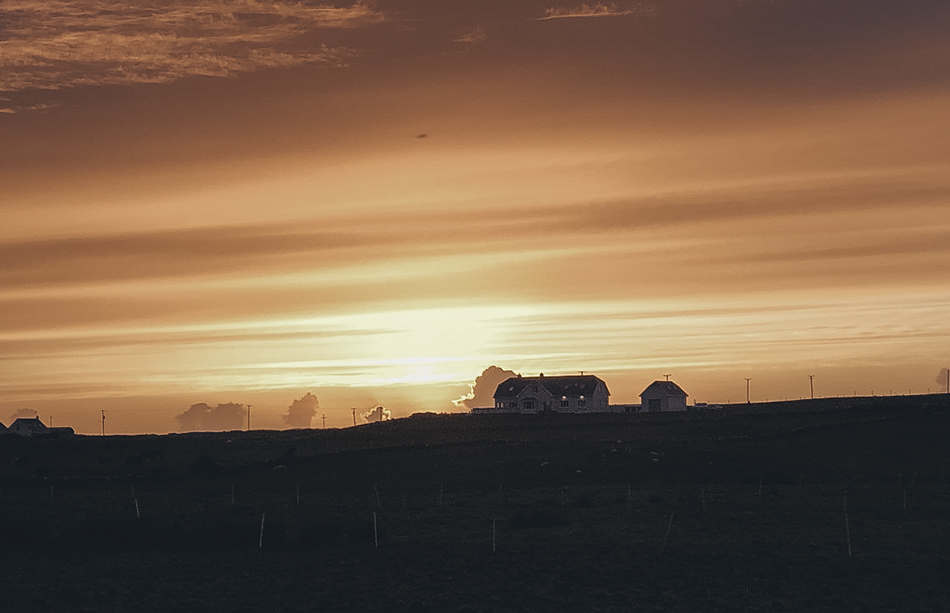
(32, 426)
(28, 426)
(559, 394)
(661, 396)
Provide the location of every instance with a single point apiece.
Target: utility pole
(324, 421)
(811, 383)
(354, 416)
(103, 421)
(248, 418)
(748, 398)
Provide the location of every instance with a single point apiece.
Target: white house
(560, 394)
(663, 396)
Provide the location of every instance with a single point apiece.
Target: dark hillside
(824, 505)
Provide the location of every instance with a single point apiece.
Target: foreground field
(830, 505)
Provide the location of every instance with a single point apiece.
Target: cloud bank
(377, 414)
(482, 392)
(300, 414)
(61, 43)
(201, 416)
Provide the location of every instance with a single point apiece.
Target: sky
(320, 208)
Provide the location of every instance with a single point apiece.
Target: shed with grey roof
(663, 396)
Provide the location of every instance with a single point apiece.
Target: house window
(499, 404)
(582, 402)
(528, 405)
(512, 405)
(565, 403)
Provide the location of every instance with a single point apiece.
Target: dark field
(824, 505)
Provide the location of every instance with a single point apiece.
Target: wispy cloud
(67, 43)
(472, 38)
(44, 106)
(598, 10)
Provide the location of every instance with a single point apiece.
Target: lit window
(565, 403)
(582, 402)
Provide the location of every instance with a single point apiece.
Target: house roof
(571, 386)
(666, 387)
(28, 424)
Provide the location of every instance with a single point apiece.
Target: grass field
(823, 505)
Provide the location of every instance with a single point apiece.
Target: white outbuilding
(663, 396)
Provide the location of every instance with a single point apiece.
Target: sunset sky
(246, 201)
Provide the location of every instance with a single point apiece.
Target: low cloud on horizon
(301, 412)
(377, 414)
(204, 417)
(482, 392)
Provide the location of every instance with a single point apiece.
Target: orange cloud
(58, 43)
(474, 37)
(598, 10)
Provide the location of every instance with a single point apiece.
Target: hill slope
(835, 504)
